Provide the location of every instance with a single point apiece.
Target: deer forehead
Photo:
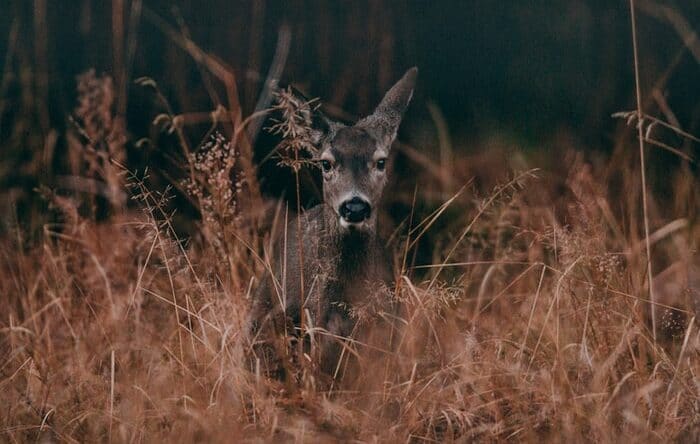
(353, 144)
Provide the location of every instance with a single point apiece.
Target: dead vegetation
(533, 320)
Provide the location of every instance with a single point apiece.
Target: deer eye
(381, 164)
(326, 165)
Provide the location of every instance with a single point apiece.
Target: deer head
(353, 159)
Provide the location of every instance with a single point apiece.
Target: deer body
(330, 259)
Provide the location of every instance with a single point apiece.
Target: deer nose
(355, 210)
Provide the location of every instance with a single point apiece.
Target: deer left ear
(384, 122)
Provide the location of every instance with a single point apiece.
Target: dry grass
(119, 330)
(531, 322)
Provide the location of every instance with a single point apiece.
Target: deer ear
(319, 124)
(321, 127)
(384, 122)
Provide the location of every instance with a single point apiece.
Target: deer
(331, 259)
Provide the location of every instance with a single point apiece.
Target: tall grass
(530, 321)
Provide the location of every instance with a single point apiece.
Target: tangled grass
(531, 323)
(523, 309)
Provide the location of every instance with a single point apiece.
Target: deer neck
(352, 247)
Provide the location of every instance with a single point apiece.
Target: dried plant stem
(302, 318)
(111, 396)
(642, 167)
(679, 23)
(158, 236)
(118, 49)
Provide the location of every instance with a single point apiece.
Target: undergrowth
(531, 321)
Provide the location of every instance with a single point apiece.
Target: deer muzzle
(355, 210)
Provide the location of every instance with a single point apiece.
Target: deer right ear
(319, 124)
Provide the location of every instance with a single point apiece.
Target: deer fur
(339, 255)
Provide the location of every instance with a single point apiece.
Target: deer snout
(355, 210)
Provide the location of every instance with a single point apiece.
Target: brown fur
(336, 265)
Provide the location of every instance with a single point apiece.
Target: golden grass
(119, 330)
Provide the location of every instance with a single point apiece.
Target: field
(522, 308)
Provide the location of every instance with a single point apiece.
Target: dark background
(525, 71)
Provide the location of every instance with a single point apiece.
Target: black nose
(355, 210)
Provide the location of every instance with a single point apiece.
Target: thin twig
(111, 397)
(642, 167)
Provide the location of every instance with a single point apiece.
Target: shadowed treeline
(529, 68)
(534, 74)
